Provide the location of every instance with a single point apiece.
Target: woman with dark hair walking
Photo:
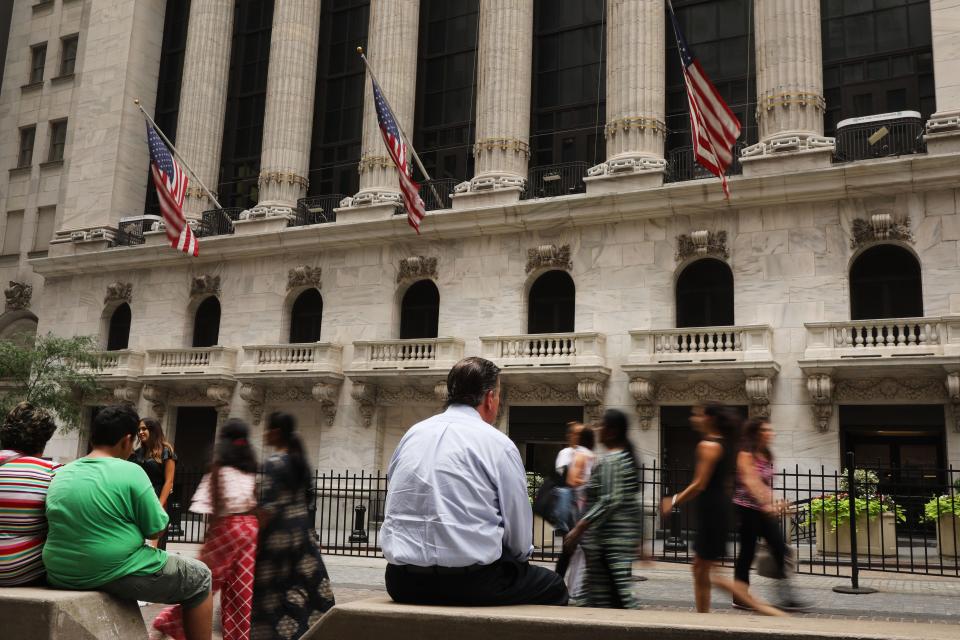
(227, 495)
(291, 588)
(716, 453)
(158, 460)
(610, 528)
(758, 510)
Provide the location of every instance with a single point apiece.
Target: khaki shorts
(182, 581)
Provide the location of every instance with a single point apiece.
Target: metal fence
(880, 139)
(683, 166)
(218, 222)
(316, 210)
(906, 521)
(436, 193)
(556, 180)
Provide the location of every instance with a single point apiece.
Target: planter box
(876, 538)
(948, 536)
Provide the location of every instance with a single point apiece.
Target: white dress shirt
(456, 495)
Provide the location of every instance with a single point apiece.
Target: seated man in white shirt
(458, 527)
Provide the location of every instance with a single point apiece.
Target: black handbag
(545, 501)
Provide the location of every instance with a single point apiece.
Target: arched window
(118, 334)
(705, 294)
(305, 317)
(420, 311)
(206, 323)
(885, 283)
(552, 303)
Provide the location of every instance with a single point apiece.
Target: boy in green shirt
(99, 510)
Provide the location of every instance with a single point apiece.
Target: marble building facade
(795, 227)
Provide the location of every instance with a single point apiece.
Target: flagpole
(399, 128)
(156, 128)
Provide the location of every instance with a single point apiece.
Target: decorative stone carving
(365, 395)
(326, 394)
(908, 389)
(820, 388)
(254, 395)
(591, 393)
(127, 394)
(953, 393)
(758, 390)
(700, 391)
(441, 392)
(119, 292)
(205, 284)
(542, 393)
(702, 243)
(880, 226)
(282, 395)
(645, 393)
(549, 256)
(406, 395)
(157, 397)
(18, 296)
(303, 276)
(220, 395)
(417, 268)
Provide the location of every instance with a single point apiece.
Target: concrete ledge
(39, 614)
(381, 618)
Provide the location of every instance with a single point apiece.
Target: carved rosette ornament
(758, 390)
(881, 226)
(549, 256)
(157, 397)
(365, 395)
(119, 292)
(417, 268)
(254, 395)
(205, 284)
(591, 393)
(702, 243)
(953, 393)
(326, 394)
(820, 388)
(303, 276)
(644, 392)
(18, 296)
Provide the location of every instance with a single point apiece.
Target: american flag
(171, 183)
(713, 126)
(409, 190)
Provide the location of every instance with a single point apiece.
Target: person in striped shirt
(24, 480)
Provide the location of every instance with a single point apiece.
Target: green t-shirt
(99, 510)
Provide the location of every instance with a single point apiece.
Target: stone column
(635, 128)
(392, 53)
(203, 96)
(943, 128)
(288, 115)
(790, 101)
(504, 68)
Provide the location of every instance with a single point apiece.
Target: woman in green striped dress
(611, 526)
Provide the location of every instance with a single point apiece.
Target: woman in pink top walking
(227, 493)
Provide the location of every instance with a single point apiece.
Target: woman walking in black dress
(712, 486)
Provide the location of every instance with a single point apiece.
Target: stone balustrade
(122, 363)
(702, 344)
(546, 349)
(893, 337)
(192, 361)
(423, 353)
(279, 358)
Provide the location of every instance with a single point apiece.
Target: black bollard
(174, 530)
(359, 533)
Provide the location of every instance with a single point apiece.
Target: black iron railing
(556, 180)
(218, 222)
(316, 210)
(682, 166)
(879, 139)
(441, 199)
(130, 230)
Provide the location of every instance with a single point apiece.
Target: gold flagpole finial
(360, 50)
(136, 101)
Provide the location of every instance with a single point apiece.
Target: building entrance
(540, 433)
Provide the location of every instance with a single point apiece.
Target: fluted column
(288, 115)
(635, 126)
(790, 101)
(392, 53)
(943, 128)
(203, 96)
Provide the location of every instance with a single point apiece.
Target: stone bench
(28, 613)
(381, 618)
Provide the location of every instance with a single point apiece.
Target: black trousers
(504, 582)
(756, 524)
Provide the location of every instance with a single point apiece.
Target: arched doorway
(552, 303)
(118, 331)
(420, 311)
(305, 317)
(705, 294)
(206, 323)
(885, 283)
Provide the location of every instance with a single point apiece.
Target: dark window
(877, 58)
(569, 82)
(38, 60)
(885, 283)
(720, 35)
(246, 99)
(446, 87)
(420, 311)
(206, 323)
(552, 303)
(58, 140)
(338, 105)
(27, 137)
(167, 107)
(305, 317)
(118, 335)
(705, 294)
(68, 55)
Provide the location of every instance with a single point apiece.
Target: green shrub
(940, 506)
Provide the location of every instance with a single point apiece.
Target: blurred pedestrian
(227, 494)
(572, 566)
(610, 528)
(758, 511)
(716, 455)
(564, 514)
(291, 588)
(155, 455)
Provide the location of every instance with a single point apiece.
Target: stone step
(28, 613)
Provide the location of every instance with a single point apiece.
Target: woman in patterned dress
(611, 526)
(291, 587)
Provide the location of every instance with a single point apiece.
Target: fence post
(854, 587)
